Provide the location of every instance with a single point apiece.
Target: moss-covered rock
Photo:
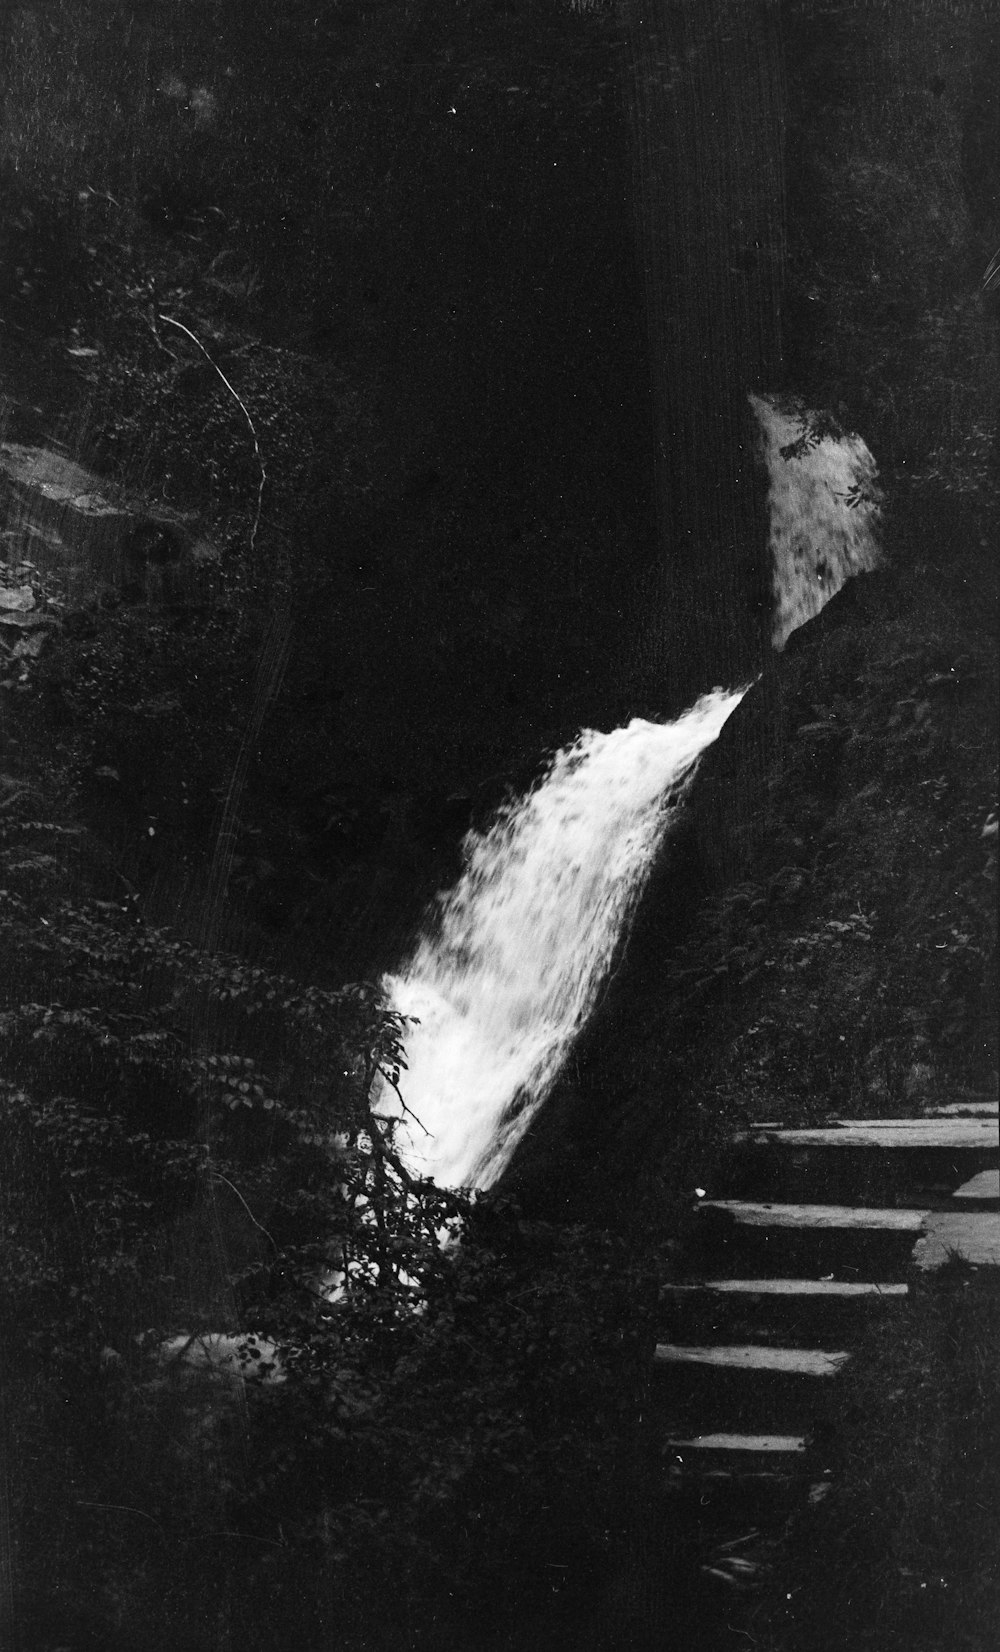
(819, 938)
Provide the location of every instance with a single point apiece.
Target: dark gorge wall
(708, 115)
(818, 938)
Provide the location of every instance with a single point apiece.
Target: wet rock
(86, 536)
(53, 477)
(26, 623)
(16, 599)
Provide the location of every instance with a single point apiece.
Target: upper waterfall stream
(511, 961)
(824, 505)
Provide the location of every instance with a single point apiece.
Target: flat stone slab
(792, 1362)
(764, 1445)
(749, 1213)
(948, 1110)
(971, 1236)
(893, 1134)
(835, 1288)
(984, 1186)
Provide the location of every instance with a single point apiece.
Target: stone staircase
(815, 1232)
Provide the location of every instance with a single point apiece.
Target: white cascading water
(824, 504)
(509, 965)
(507, 971)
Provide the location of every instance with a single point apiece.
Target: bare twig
(120, 1508)
(154, 329)
(170, 321)
(250, 1537)
(221, 1178)
(399, 1097)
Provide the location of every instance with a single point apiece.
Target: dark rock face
(818, 937)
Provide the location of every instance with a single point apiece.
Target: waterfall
(824, 503)
(512, 959)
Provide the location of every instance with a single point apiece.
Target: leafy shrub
(194, 1143)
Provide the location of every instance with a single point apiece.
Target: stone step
(949, 1130)
(743, 1388)
(781, 1280)
(791, 1312)
(836, 1289)
(948, 1110)
(759, 1213)
(820, 1241)
(891, 1133)
(752, 1357)
(747, 1478)
(722, 1498)
(967, 1236)
(730, 1448)
(880, 1162)
(981, 1190)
